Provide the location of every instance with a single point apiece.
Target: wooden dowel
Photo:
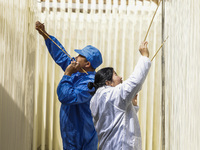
(61, 48)
(151, 22)
(55, 43)
(159, 48)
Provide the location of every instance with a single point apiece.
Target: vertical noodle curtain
(17, 63)
(117, 31)
(182, 65)
(29, 77)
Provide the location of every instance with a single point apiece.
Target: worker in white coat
(114, 115)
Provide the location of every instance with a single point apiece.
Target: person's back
(77, 128)
(112, 121)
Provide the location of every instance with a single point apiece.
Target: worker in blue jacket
(76, 125)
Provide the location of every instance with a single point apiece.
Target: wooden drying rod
(152, 21)
(159, 48)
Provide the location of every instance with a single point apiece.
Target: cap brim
(79, 52)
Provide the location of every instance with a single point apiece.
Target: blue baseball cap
(92, 54)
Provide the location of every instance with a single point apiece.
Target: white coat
(114, 115)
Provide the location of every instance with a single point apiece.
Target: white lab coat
(114, 115)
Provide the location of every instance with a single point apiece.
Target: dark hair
(100, 79)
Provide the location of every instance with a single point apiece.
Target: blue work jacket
(76, 125)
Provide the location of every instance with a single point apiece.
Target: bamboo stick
(159, 48)
(152, 21)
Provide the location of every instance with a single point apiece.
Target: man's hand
(72, 68)
(143, 49)
(134, 100)
(39, 26)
